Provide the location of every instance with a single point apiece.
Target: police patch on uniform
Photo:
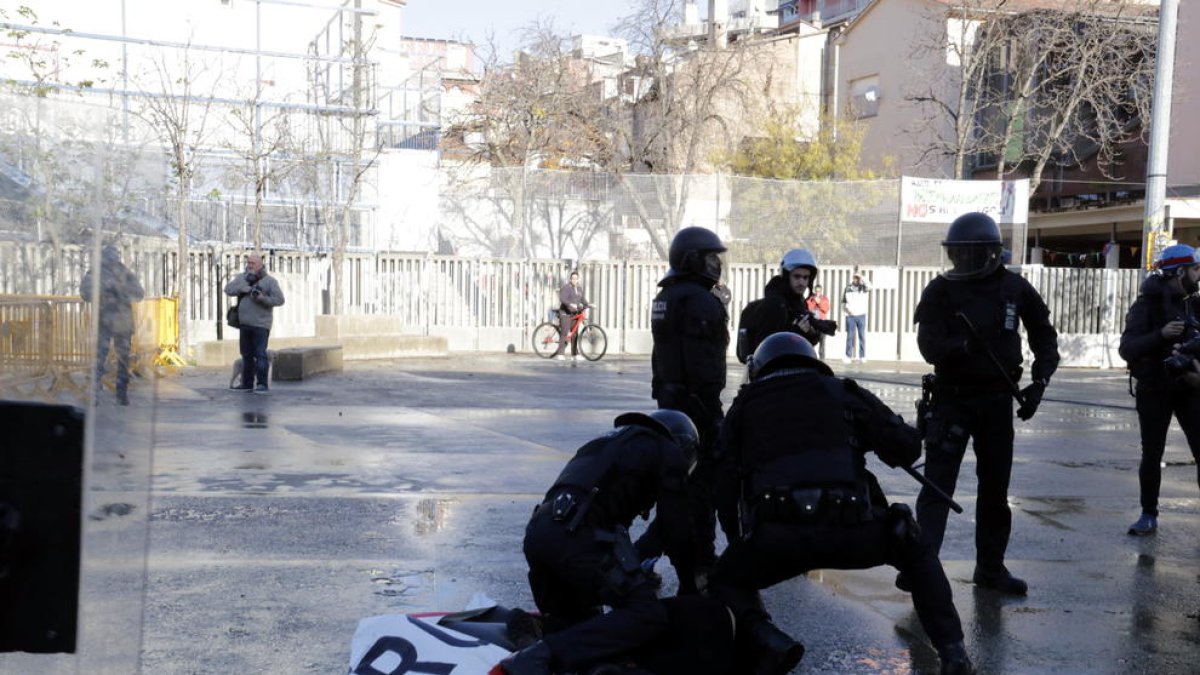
(658, 310)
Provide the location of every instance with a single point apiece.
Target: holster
(925, 404)
(622, 570)
(567, 506)
(903, 530)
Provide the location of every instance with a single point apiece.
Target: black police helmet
(975, 229)
(670, 423)
(974, 246)
(783, 350)
(688, 249)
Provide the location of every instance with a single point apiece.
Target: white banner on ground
(394, 644)
(936, 200)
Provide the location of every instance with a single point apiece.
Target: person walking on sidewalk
(854, 306)
(119, 289)
(258, 295)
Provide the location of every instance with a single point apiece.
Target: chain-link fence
(594, 215)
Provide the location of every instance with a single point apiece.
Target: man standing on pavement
(854, 306)
(968, 321)
(1160, 343)
(579, 552)
(794, 500)
(691, 337)
(119, 289)
(571, 302)
(258, 295)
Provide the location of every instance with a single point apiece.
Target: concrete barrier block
(300, 363)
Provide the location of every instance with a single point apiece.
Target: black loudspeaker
(41, 494)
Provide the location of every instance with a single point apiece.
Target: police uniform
(807, 501)
(580, 555)
(691, 337)
(1159, 393)
(972, 399)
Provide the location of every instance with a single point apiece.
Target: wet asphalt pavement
(234, 533)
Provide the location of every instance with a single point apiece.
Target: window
(864, 97)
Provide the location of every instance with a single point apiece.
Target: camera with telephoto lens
(825, 326)
(1181, 361)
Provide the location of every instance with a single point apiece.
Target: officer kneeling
(578, 547)
(798, 496)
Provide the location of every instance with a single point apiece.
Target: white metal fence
(490, 303)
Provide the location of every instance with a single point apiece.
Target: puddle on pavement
(254, 420)
(1049, 510)
(432, 515)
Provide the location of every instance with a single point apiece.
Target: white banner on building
(936, 200)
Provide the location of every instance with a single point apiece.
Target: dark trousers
(986, 419)
(701, 486)
(572, 575)
(1154, 409)
(120, 343)
(252, 341)
(778, 551)
(565, 320)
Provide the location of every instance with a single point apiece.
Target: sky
(471, 20)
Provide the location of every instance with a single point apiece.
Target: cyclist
(571, 302)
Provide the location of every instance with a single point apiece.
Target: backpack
(750, 329)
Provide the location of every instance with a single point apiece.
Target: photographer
(784, 307)
(1161, 343)
(258, 295)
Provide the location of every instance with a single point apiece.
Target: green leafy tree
(790, 191)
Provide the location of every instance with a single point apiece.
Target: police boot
(532, 660)
(776, 653)
(955, 660)
(999, 579)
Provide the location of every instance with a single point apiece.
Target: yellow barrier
(167, 333)
(46, 349)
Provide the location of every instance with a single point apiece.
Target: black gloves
(1033, 398)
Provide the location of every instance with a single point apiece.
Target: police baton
(1012, 386)
(932, 488)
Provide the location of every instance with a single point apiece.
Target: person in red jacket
(818, 304)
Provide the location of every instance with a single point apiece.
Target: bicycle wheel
(592, 342)
(545, 340)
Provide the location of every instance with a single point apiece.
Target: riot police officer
(968, 320)
(1166, 313)
(691, 337)
(578, 547)
(784, 306)
(792, 502)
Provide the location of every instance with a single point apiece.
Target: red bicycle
(588, 338)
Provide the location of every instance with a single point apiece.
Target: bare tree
(178, 110)
(1063, 82)
(347, 150)
(47, 140)
(538, 112)
(683, 107)
(946, 97)
(262, 129)
(1078, 87)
